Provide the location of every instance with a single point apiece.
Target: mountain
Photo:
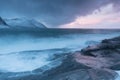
(3, 24)
(21, 23)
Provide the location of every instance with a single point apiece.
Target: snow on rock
(24, 23)
(20, 23)
(3, 24)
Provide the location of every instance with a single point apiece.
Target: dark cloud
(53, 12)
(116, 4)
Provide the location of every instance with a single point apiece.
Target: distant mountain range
(20, 23)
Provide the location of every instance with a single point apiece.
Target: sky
(65, 13)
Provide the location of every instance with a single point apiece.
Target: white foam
(19, 62)
(118, 78)
(22, 43)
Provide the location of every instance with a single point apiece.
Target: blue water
(28, 50)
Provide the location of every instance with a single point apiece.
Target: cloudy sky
(65, 13)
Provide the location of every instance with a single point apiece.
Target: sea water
(28, 50)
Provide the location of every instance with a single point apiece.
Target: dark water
(54, 32)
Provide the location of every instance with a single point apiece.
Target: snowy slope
(3, 24)
(21, 23)
(24, 23)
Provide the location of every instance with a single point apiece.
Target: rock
(92, 62)
(116, 39)
(84, 74)
(108, 50)
(91, 42)
(116, 66)
(87, 74)
(104, 48)
(97, 62)
(2, 22)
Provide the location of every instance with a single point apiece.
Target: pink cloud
(100, 18)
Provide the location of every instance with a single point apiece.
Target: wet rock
(91, 42)
(116, 66)
(92, 62)
(87, 74)
(97, 62)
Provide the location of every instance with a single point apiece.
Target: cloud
(52, 12)
(105, 17)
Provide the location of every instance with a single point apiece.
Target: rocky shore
(96, 62)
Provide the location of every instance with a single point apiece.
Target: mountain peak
(2, 22)
(21, 23)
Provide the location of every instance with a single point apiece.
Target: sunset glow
(97, 19)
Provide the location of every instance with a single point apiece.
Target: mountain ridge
(20, 23)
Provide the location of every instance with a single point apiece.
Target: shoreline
(94, 62)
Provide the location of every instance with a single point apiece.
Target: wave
(26, 53)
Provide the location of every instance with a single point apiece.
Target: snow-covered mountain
(20, 23)
(3, 24)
